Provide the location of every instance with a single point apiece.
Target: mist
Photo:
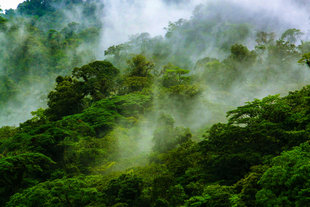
(154, 103)
(253, 16)
(123, 20)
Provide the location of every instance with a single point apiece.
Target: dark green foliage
(181, 160)
(103, 114)
(125, 189)
(241, 53)
(305, 59)
(140, 66)
(76, 142)
(161, 203)
(107, 136)
(214, 195)
(247, 187)
(286, 183)
(22, 171)
(68, 96)
(176, 195)
(6, 132)
(260, 128)
(65, 100)
(75, 192)
(97, 79)
(225, 169)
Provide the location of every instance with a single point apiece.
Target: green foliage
(114, 50)
(176, 195)
(139, 74)
(286, 50)
(65, 100)
(97, 79)
(76, 191)
(212, 71)
(140, 66)
(291, 35)
(82, 155)
(225, 169)
(248, 187)
(214, 195)
(22, 171)
(286, 183)
(305, 59)
(178, 84)
(241, 53)
(34, 7)
(39, 42)
(260, 128)
(101, 119)
(137, 83)
(103, 114)
(184, 91)
(166, 136)
(7, 132)
(68, 97)
(125, 189)
(181, 160)
(173, 75)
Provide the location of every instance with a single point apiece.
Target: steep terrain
(213, 113)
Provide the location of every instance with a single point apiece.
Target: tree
(74, 192)
(259, 129)
(97, 79)
(305, 59)
(178, 83)
(166, 136)
(140, 66)
(6, 132)
(115, 50)
(35, 7)
(139, 74)
(173, 75)
(248, 187)
(264, 38)
(291, 35)
(282, 52)
(127, 188)
(176, 195)
(241, 53)
(214, 195)
(3, 22)
(287, 182)
(22, 171)
(66, 99)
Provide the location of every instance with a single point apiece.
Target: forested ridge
(198, 117)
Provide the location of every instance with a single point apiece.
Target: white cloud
(123, 18)
(9, 4)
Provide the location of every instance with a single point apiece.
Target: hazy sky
(8, 4)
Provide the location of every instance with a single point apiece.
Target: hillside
(215, 112)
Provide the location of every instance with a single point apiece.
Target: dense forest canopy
(212, 110)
